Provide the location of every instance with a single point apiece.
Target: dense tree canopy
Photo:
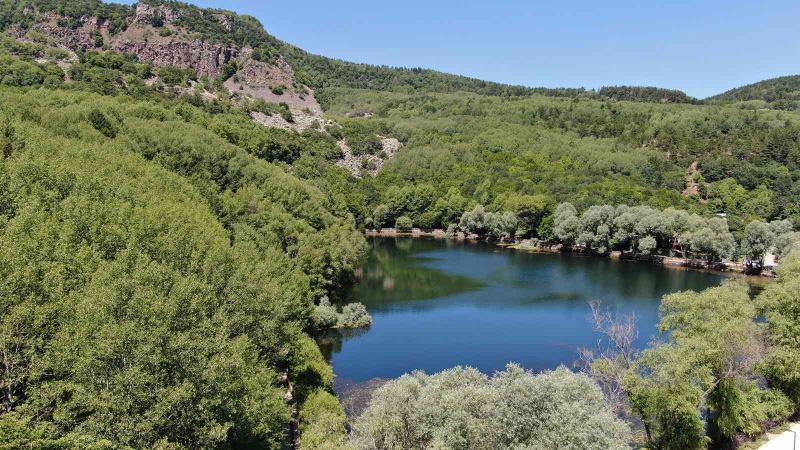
(462, 408)
(704, 159)
(158, 281)
(645, 94)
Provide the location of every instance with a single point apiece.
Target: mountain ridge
(222, 30)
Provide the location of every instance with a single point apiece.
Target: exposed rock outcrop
(206, 58)
(142, 40)
(148, 14)
(276, 83)
(79, 38)
(358, 166)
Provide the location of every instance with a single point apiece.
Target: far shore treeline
(642, 230)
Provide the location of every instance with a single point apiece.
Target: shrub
(452, 229)
(463, 408)
(647, 244)
(174, 76)
(262, 54)
(102, 124)
(228, 70)
(322, 422)
(98, 39)
(354, 315)
(325, 315)
(381, 216)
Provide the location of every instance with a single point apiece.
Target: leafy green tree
(710, 361)
(758, 239)
(448, 208)
(501, 226)
(404, 224)
(566, 223)
(786, 239)
(647, 244)
(354, 315)
(322, 422)
(474, 221)
(529, 210)
(381, 217)
(325, 314)
(710, 238)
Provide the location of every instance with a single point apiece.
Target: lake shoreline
(439, 303)
(730, 269)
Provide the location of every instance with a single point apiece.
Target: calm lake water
(438, 304)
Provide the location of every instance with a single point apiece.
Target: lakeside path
(785, 440)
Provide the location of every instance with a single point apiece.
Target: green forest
(159, 282)
(462, 149)
(167, 263)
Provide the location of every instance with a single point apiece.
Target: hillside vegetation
(463, 150)
(158, 281)
(776, 93)
(645, 94)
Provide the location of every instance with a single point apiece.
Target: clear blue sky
(701, 47)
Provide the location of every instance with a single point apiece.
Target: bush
(322, 422)
(647, 244)
(262, 54)
(362, 136)
(325, 314)
(354, 315)
(98, 39)
(228, 70)
(174, 76)
(403, 224)
(102, 124)
(452, 230)
(463, 408)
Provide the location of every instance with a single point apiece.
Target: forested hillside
(776, 93)
(179, 218)
(462, 150)
(159, 282)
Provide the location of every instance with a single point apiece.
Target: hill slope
(777, 93)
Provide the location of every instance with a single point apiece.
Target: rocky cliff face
(142, 39)
(276, 83)
(79, 38)
(147, 14)
(207, 59)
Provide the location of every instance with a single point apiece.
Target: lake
(438, 304)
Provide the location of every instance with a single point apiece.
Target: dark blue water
(438, 304)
